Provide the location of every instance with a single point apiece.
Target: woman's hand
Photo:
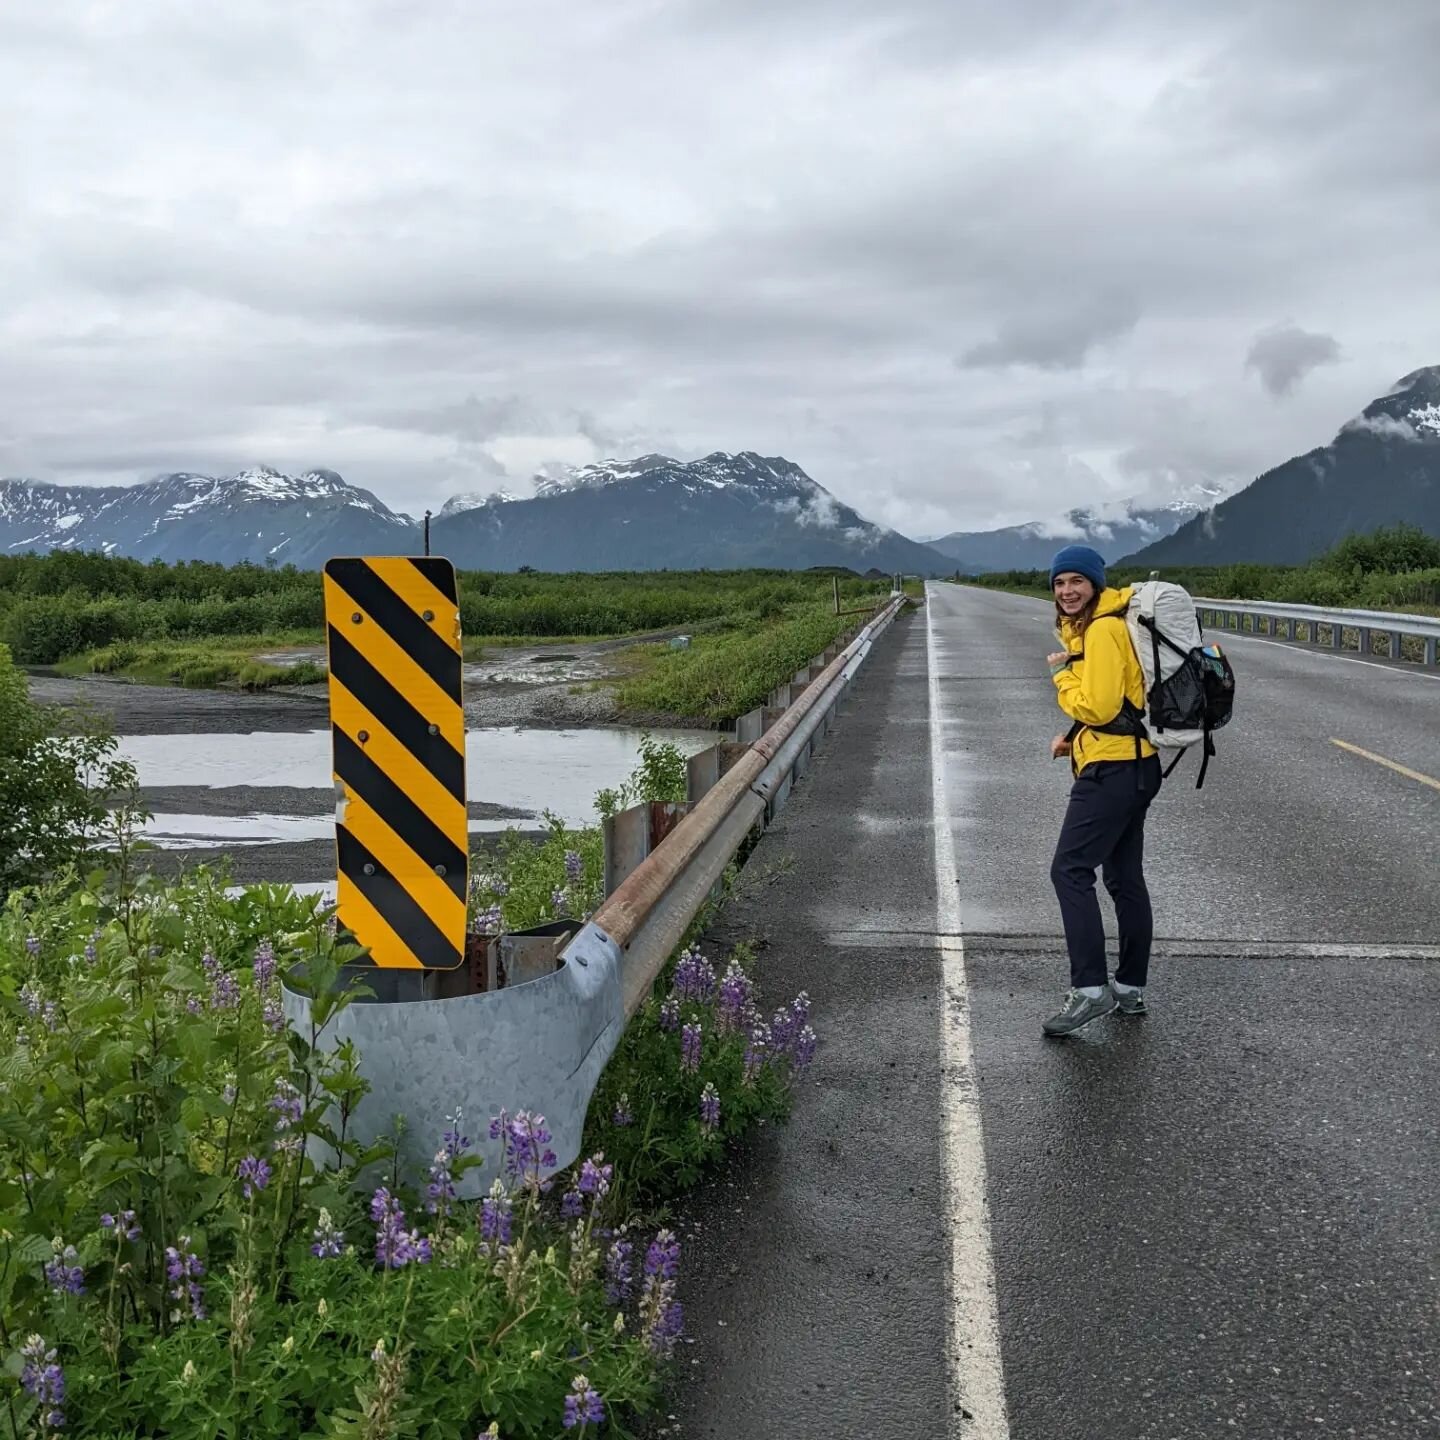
(1060, 657)
(1059, 747)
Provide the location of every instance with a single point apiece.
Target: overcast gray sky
(970, 263)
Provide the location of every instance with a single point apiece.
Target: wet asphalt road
(1217, 1220)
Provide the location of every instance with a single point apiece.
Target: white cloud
(819, 512)
(1390, 426)
(436, 246)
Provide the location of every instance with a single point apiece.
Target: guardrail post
(1337, 635)
(1365, 646)
(1396, 652)
(1431, 646)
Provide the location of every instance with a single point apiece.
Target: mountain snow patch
(1426, 418)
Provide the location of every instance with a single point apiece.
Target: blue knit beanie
(1079, 560)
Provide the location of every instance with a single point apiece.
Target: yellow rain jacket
(1092, 689)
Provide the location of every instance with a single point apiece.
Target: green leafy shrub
(184, 1265)
(56, 789)
(698, 1066)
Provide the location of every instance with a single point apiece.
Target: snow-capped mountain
(257, 515)
(1114, 529)
(653, 513)
(1383, 468)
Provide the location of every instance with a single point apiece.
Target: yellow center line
(1399, 769)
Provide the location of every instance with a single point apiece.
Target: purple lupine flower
(264, 966)
(574, 866)
(670, 1013)
(694, 977)
(804, 1051)
(210, 964)
(288, 1147)
(489, 921)
(63, 1275)
(527, 1144)
(735, 994)
(225, 993)
(583, 1406)
(32, 944)
(800, 1010)
(52, 1015)
(289, 1108)
(193, 1005)
(183, 1268)
(757, 1052)
(662, 1258)
(623, 1115)
(595, 1177)
(272, 1013)
(661, 1317)
(395, 1247)
(572, 1205)
(91, 953)
(781, 1031)
(125, 1225)
(254, 1174)
(44, 1380)
(32, 998)
(329, 1241)
(619, 1276)
(495, 1216)
(691, 1040)
(709, 1107)
(440, 1193)
(559, 899)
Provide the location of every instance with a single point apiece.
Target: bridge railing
(1387, 634)
(541, 1040)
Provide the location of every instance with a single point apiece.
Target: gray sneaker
(1078, 1011)
(1130, 1002)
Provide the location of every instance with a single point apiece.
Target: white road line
(1228, 635)
(976, 1380)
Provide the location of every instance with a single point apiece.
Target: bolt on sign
(398, 732)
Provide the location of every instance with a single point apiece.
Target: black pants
(1105, 828)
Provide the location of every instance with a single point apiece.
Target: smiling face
(1073, 592)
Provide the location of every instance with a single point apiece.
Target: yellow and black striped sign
(398, 729)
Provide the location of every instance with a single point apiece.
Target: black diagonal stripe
(431, 845)
(440, 573)
(418, 933)
(397, 714)
(398, 621)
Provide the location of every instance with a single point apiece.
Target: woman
(1117, 774)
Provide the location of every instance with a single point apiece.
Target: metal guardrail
(542, 1044)
(1327, 626)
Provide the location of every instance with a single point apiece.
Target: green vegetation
(724, 675)
(204, 625)
(59, 776)
(1396, 569)
(178, 1258)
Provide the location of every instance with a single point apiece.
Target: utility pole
(427, 532)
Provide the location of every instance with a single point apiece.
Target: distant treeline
(62, 604)
(1395, 569)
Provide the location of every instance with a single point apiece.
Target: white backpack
(1189, 684)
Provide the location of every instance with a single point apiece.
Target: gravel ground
(538, 687)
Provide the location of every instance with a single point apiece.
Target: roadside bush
(173, 1262)
(56, 789)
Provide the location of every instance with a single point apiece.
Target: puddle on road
(529, 771)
